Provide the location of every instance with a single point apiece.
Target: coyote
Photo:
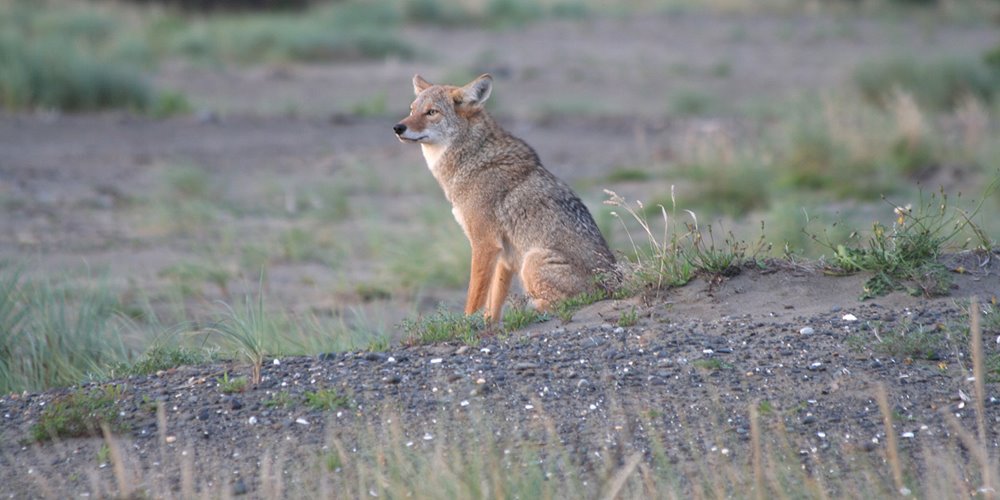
(517, 216)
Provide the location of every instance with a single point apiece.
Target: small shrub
(905, 254)
(80, 414)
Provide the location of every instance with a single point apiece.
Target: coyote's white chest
(432, 154)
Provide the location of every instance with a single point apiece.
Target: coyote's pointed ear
(419, 84)
(477, 91)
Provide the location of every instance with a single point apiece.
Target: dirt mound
(678, 385)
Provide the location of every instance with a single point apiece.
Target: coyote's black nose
(399, 128)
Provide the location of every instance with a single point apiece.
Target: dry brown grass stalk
(891, 445)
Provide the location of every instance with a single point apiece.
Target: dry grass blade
(125, 483)
(621, 477)
(891, 446)
(757, 454)
(979, 377)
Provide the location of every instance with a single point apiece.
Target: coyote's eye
(431, 112)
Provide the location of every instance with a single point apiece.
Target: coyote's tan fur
(517, 215)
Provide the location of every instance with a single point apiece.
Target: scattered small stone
(849, 317)
(525, 366)
(301, 421)
(239, 487)
(252, 420)
(170, 439)
(276, 362)
(807, 330)
(375, 357)
(235, 404)
(393, 379)
(835, 309)
(436, 361)
(907, 434)
(724, 350)
(809, 419)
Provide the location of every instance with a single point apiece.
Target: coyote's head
(441, 111)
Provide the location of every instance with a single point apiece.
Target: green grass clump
(162, 357)
(939, 84)
(55, 336)
(80, 414)
(521, 315)
(249, 331)
(282, 399)
(326, 400)
(904, 255)
(565, 309)
(906, 341)
(444, 326)
(337, 31)
(232, 385)
(54, 74)
(492, 13)
(628, 318)
(711, 364)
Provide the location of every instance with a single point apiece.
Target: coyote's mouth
(412, 139)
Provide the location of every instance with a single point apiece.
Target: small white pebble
(480, 381)
(276, 362)
(436, 361)
(821, 434)
(529, 407)
(807, 330)
(849, 317)
(464, 403)
(301, 421)
(170, 439)
(907, 434)
(252, 420)
(428, 437)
